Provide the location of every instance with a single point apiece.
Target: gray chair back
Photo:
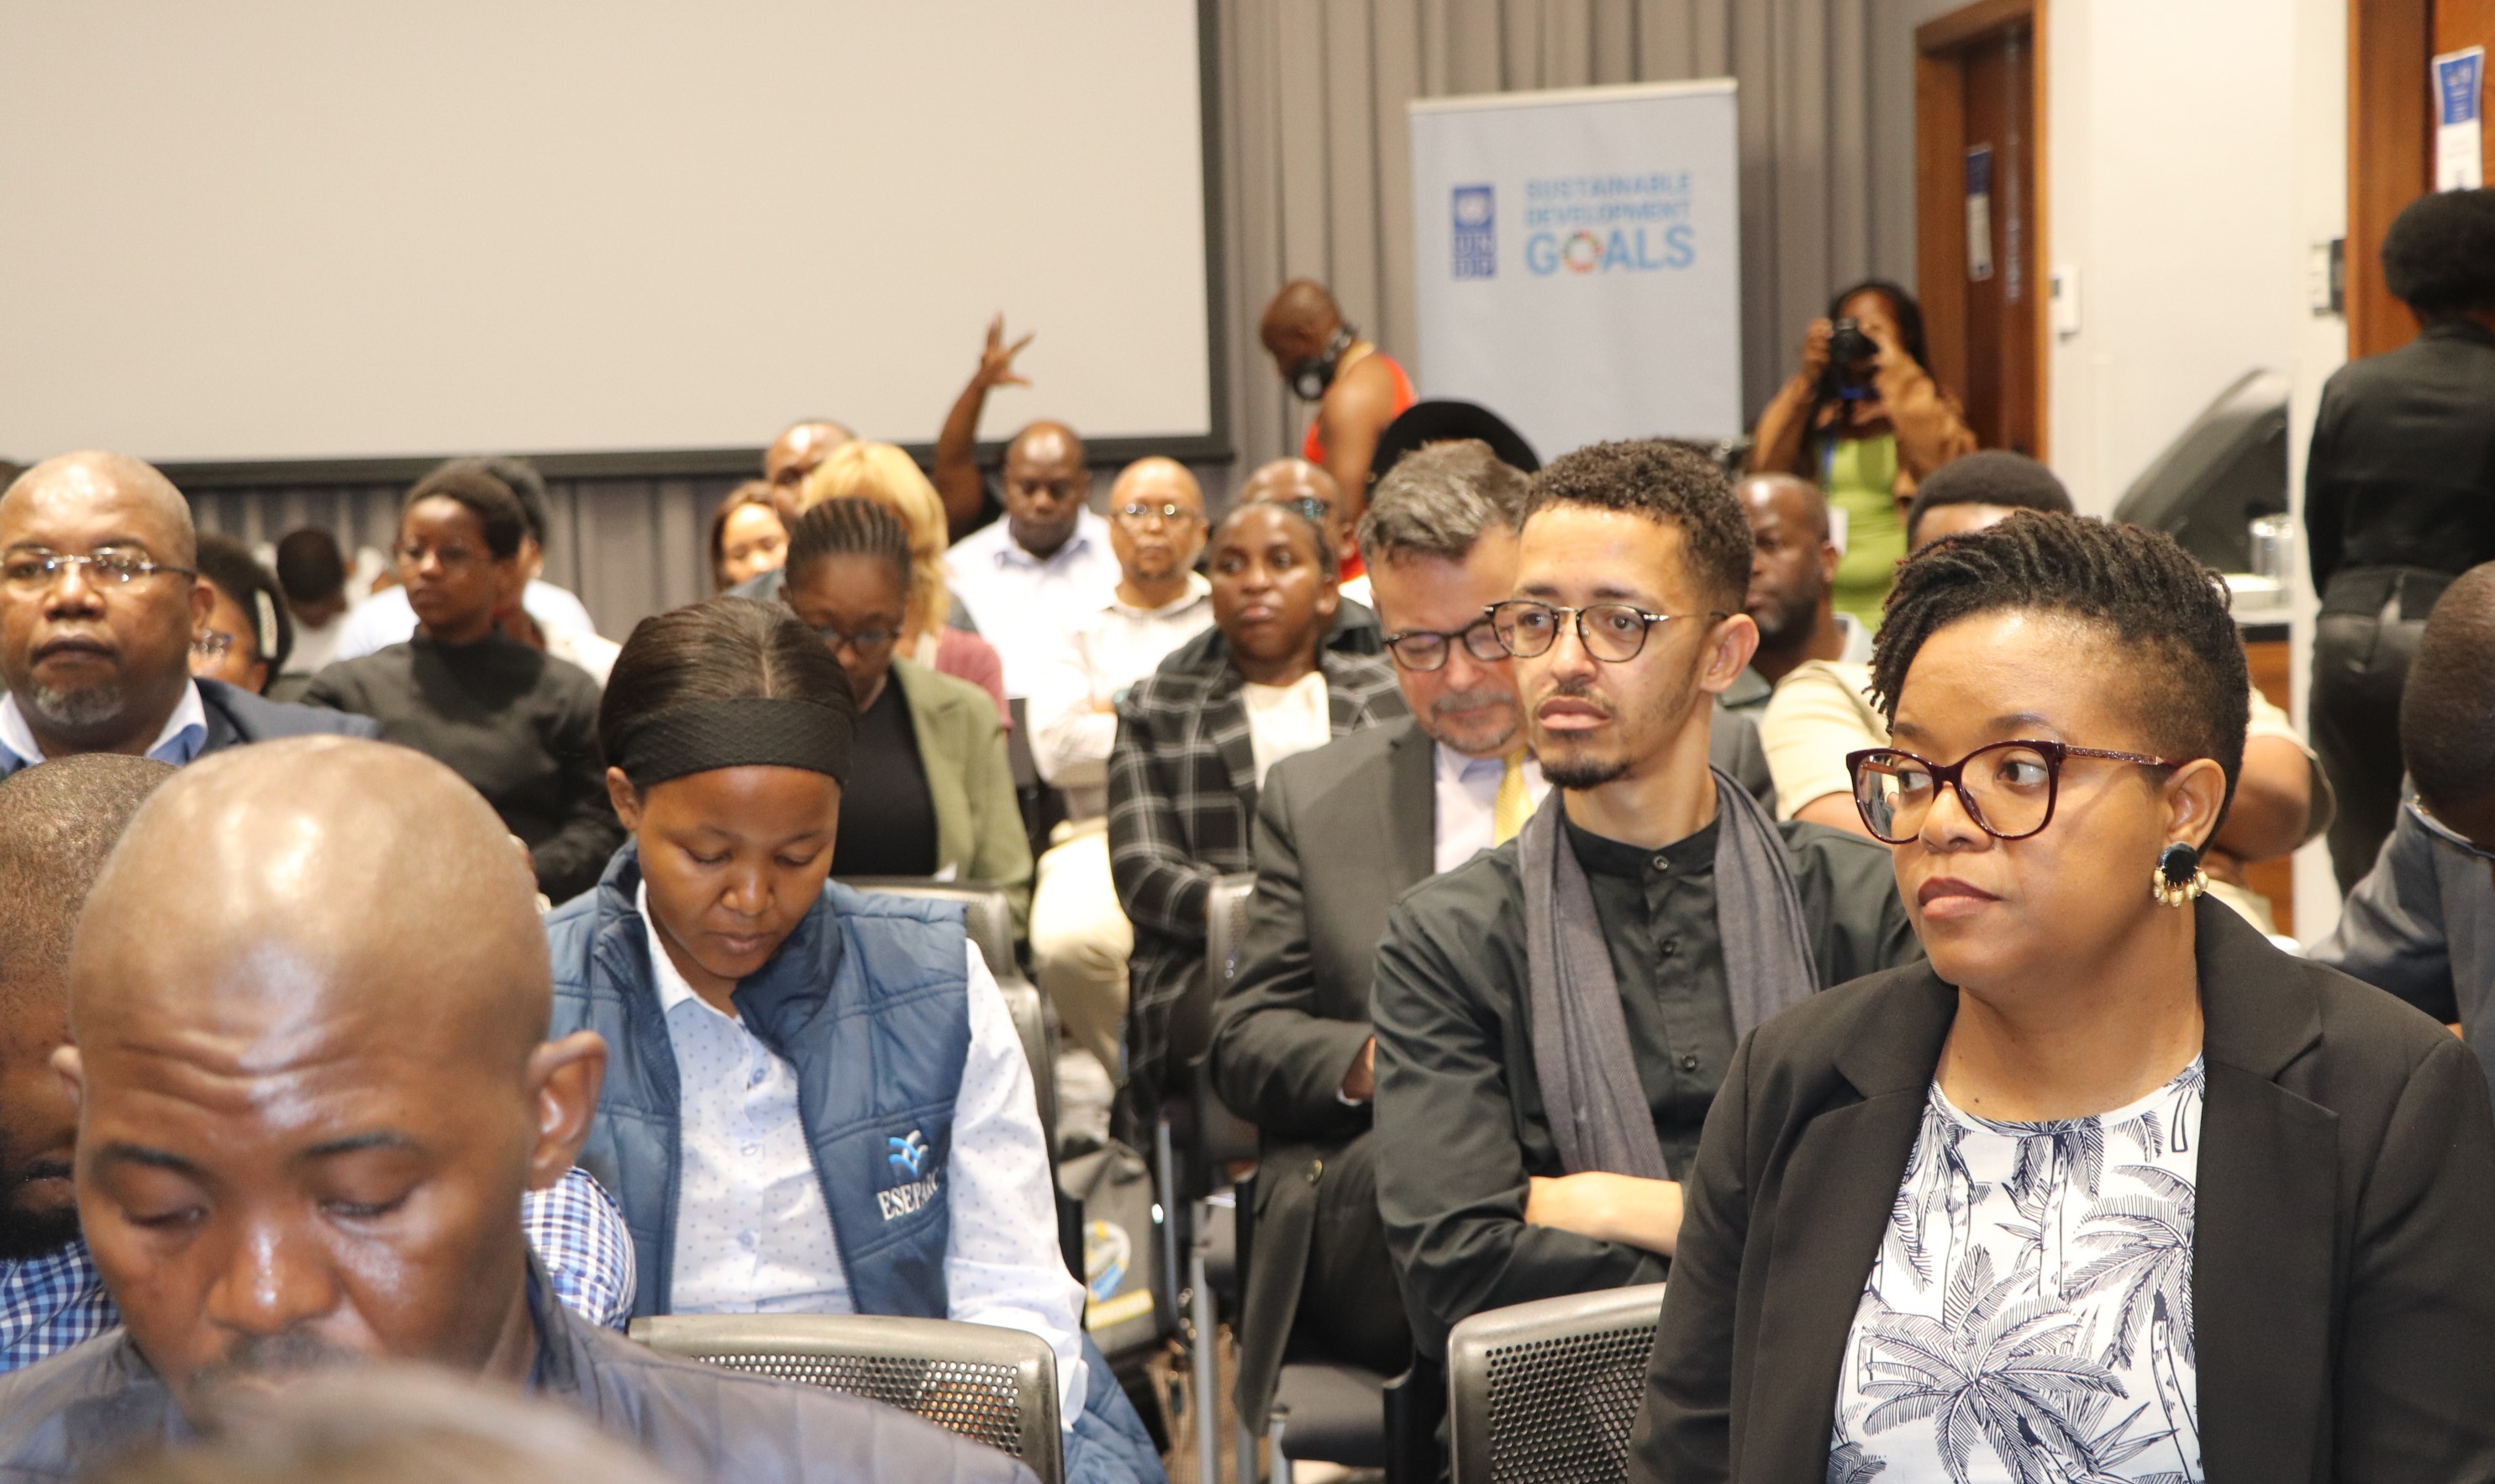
(992, 1385)
(1547, 1391)
(988, 920)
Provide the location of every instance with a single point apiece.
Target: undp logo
(1476, 232)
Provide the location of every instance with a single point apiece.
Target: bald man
(309, 998)
(1049, 562)
(1358, 389)
(99, 602)
(1079, 938)
(802, 446)
(1793, 573)
(58, 821)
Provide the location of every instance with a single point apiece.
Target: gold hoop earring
(2178, 877)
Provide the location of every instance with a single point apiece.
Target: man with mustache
(1079, 938)
(309, 998)
(100, 599)
(1553, 1017)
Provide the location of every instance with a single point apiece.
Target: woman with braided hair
(2109, 1187)
(816, 1101)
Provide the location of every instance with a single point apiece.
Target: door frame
(2390, 155)
(1940, 189)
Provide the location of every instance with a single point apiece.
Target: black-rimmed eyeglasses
(2008, 788)
(1611, 632)
(1426, 649)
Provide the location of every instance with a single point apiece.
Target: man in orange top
(1358, 388)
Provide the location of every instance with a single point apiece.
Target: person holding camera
(1864, 419)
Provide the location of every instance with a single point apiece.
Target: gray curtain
(1314, 177)
(1316, 170)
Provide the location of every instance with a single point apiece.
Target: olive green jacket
(978, 822)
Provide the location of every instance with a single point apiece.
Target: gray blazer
(2421, 924)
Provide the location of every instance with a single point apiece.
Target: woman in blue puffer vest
(815, 1100)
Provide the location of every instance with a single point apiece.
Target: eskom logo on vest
(909, 1155)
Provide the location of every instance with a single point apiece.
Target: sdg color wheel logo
(1475, 214)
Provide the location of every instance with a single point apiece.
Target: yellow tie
(1513, 806)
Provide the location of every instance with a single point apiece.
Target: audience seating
(1547, 1390)
(989, 920)
(993, 1385)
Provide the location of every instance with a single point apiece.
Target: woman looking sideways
(2110, 1188)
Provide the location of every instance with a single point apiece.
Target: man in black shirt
(2399, 498)
(1626, 624)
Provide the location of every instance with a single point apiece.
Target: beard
(79, 709)
(1484, 740)
(1777, 617)
(1578, 774)
(26, 1233)
(256, 1361)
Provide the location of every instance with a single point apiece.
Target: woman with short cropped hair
(2110, 1188)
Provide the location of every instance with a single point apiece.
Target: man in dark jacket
(1674, 897)
(310, 1099)
(99, 599)
(2399, 498)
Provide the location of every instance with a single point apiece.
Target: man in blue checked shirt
(57, 824)
(309, 1000)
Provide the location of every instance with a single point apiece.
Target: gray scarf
(1581, 1043)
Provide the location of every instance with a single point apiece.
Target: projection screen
(305, 231)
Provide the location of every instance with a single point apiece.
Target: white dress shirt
(177, 742)
(1468, 802)
(385, 619)
(753, 1234)
(1096, 656)
(1022, 603)
(1284, 721)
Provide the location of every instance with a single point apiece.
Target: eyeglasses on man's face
(2008, 788)
(1426, 649)
(1168, 513)
(1612, 633)
(32, 570)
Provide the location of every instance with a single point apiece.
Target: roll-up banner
(1579, 266)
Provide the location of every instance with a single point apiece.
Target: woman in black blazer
(2111, 1190)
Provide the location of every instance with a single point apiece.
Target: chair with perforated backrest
(988, 919)
(989, 1385)
(1547, 1391)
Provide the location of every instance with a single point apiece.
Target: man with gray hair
(100, 594)
(1340, 832)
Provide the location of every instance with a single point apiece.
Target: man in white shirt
(1340, 832)
(1792, 581)
(1079, 936)
(1048, 558)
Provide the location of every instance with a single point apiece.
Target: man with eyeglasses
(1554, 1017)
(1080, 939)
(100, 601)
(2421, 922)
(1340, 832)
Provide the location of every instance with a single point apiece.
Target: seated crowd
(1786, 888)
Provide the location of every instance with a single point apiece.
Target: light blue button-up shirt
(185, 733)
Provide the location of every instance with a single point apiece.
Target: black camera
(1850, 354)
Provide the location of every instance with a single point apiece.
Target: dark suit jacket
(1341, 833)
(2343, 1305)
(2402, 467)
(236, 718)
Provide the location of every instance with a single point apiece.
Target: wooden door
(1979, 145)
(2390, 140)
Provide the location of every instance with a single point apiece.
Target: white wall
(2196, 151)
